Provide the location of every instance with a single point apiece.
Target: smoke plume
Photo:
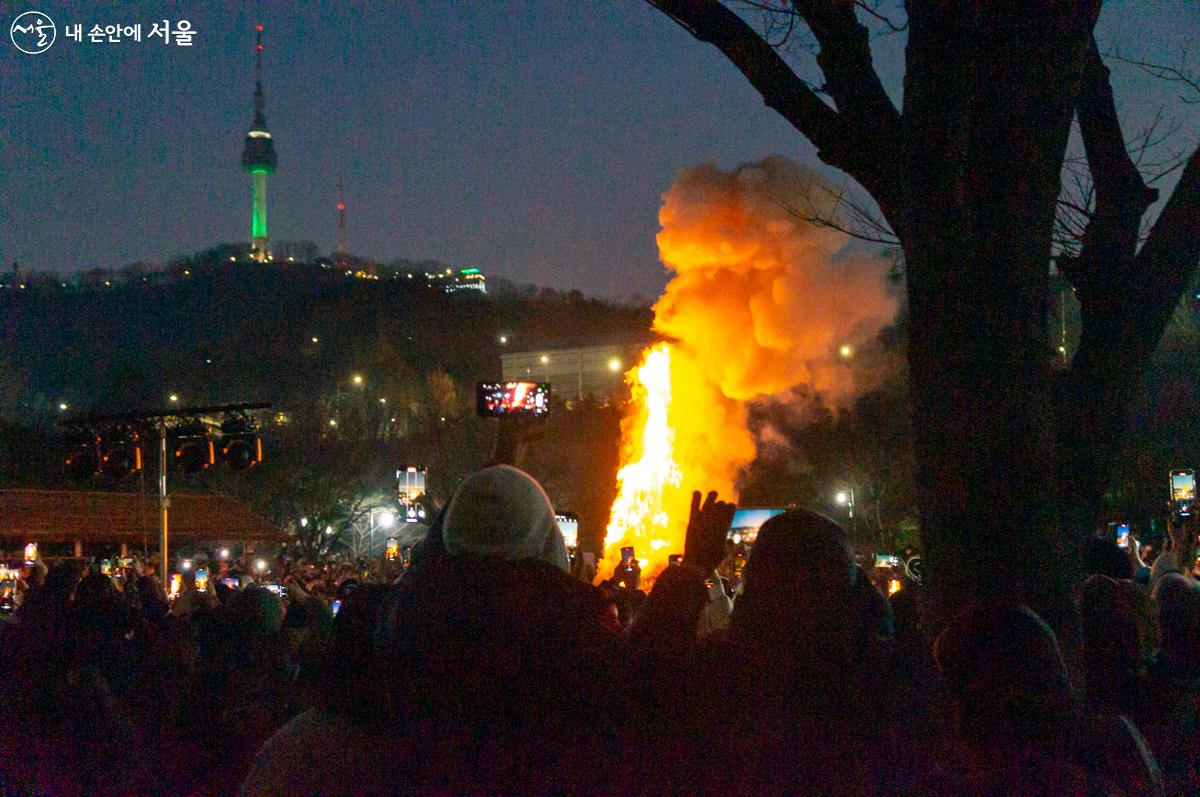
(762, 301)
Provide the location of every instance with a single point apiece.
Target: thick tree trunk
(988, 105)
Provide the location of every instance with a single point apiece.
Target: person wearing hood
(784, 701)
(501, 667)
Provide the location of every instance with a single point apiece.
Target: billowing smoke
(761, 298)
(762, 301)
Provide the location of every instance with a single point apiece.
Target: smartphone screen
(886, 560)
(106, 567)
(1122, 535)
(393, 549)
(496, 399)
(675, 559)
(30, 554)
(627, 555)
(277, 589)
(201, 580)
(231, 582)
(336, 606)
(176, 584)
(1183, 490)
(569, 526)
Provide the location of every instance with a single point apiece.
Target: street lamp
(378, 517)
(846, 498)
(357, 379)
(174, 397)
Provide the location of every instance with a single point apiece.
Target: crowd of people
(486, 667)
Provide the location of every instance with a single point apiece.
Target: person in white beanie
(499, 665)
(503, 512)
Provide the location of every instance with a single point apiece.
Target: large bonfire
(761, 301)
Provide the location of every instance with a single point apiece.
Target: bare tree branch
(838, 208)
(842, 138)
(1121, 197)
(1172, 249)
(1171, 74)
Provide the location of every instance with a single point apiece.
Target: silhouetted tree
(967, 176)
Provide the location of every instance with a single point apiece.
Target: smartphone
(406, 555)
(30, 554)
(233, 582)
(568, 524)
(497, 399)
(125, 563)
(201, 579)
(393, 549)
(1121, 534)
(1183, 490)
(278, 589)
(886, 560)
(627, 557)
(336, 606)
(675, 559)
(106, 567)
(176, 584)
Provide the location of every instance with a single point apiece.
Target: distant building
(467, 279)
(450, 280)
(596, 371)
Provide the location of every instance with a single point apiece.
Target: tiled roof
(65, 515)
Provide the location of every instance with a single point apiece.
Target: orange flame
(761, 301)
(639, 516)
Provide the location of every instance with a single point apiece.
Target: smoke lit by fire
(761, 301)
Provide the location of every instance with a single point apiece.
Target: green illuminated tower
(258, 158)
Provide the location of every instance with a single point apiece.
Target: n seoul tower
(258, 158)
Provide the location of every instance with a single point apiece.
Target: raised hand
(708, 526)
(513, 434)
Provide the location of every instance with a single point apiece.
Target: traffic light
(241, 447)
(193, 448)
(83, 456)
(120, 452)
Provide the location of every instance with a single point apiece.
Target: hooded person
(1169, 717)
(503, 512)
(497, 657)
(784, 702)
(1016, 722)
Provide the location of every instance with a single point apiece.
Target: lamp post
(846, 498)
(386, 519)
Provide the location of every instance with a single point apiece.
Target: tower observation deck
(258, 158)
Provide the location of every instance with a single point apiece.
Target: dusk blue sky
(530, 139)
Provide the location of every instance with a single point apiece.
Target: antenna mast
(341, 209)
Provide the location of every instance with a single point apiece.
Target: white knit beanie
(502, 511)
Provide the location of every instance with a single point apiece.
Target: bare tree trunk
(987, 114)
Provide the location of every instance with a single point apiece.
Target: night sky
(532, 140)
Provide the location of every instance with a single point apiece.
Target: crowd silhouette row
(487, 668)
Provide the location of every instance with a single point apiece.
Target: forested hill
(246, 331)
